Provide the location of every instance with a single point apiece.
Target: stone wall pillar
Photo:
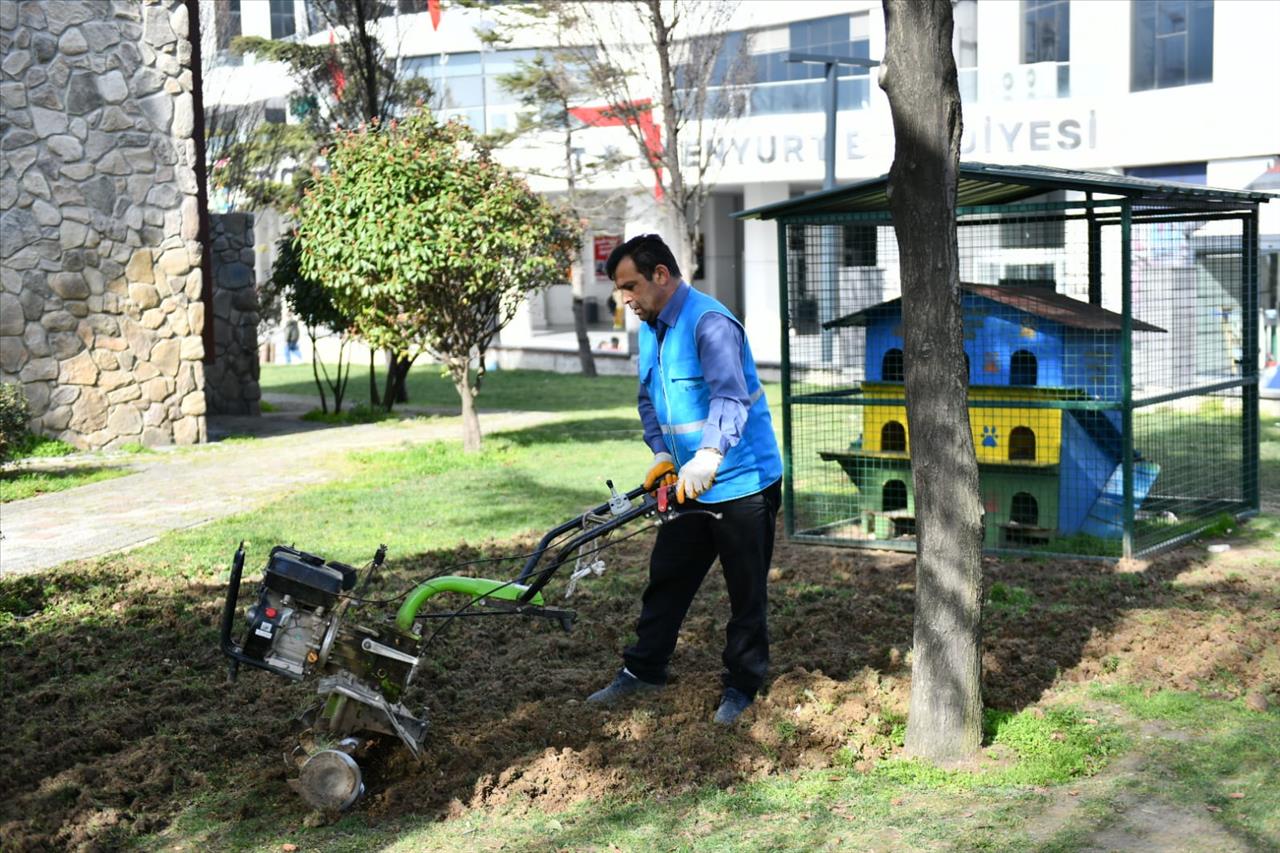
(231, 381)
(100, 282)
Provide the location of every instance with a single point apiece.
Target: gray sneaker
(624, 685)
(732, 703)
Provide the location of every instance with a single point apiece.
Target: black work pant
(682, 555)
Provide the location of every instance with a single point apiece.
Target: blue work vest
(672, 373)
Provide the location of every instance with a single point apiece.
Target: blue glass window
(1172, 43)
(1046, 31)
(782, 87)
(282, 22)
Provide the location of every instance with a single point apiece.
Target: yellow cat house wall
(1001, 433)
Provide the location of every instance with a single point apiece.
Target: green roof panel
(987, 184)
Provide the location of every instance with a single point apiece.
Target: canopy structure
(983, 184)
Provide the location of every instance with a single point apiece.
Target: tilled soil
(117, 714)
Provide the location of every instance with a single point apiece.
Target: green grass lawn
(18, 483)
(526, 390)
(501, 389)
(139, 628)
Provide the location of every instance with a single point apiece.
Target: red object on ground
(433, 7)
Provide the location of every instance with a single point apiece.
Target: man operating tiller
(707, 422)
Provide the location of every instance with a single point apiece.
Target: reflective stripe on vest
(696, 426)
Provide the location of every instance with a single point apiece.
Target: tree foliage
(549, 86)
(677, 66)
(311, 303)
(15, 413)
(428, 245)
(340, 85)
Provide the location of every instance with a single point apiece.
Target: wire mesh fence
(1107, 352)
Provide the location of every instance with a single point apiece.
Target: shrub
(14, 414)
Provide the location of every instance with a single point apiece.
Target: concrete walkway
(190, 486)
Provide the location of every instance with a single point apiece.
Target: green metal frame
(1126, 373)
(1249, 370)
(1100, 214)
(784, 314)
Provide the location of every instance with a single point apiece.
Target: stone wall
(100, 311)
(231, 380)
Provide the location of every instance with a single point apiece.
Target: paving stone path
(194, 485)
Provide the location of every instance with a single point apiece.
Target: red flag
(335, 68)
(642, 117)
(433, 7)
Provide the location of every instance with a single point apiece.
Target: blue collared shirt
(720, 350)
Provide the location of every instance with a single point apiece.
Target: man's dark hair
(645, 251)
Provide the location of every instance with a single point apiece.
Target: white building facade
(1183, 90)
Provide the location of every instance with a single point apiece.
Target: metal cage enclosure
(1110, 337)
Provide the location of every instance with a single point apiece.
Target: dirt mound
(116, 711)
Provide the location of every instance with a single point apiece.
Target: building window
(1022, 445)
(894, 496)
(893, 438)
(1183, 173)
(1022, 368)
(1172, 43)
(964, 44)
(1024, 510)
(1046, 31)
(282, 22)
(1035, 232)
(781, 87)
(858, 245)
(891, 366)
(1029, 275)
(226, 22)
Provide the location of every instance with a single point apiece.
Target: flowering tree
(429, 246)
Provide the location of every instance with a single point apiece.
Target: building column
(760, 274)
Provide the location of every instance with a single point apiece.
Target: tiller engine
(308, 623)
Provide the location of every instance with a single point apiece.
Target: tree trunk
(374, 399)
(577, 275)
(402, 379)
(586, 358)
(470, 417)
(395, 390)
(367, 62)
(315, 370)
(944, 723)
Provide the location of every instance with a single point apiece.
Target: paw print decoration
(989, 437)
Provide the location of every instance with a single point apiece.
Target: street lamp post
(832, 64)
(829, 305)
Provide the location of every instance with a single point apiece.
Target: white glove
(698, 474)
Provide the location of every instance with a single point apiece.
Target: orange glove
(663, 472)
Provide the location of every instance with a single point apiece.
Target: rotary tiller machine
(309, 622)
